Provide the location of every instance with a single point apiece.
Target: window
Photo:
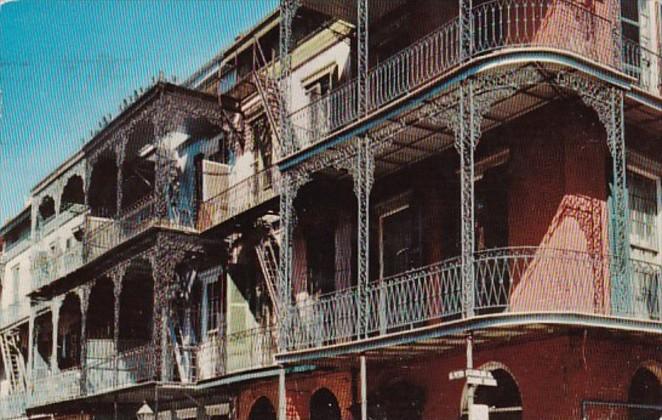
(644, 206)
(630, 20)
(644, 214)
(491, 208)
(262, 146)
(319, 112)
(214, 308)
(399, 237)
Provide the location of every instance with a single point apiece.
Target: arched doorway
(504, 401)
(136, 305)
(68, 335)
(399, 399)
(645, 389)
(262, 410)
(73, 195)
(324, 406)
(101, 313)
(102, 192)
(46, 209)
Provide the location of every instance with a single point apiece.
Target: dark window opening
(645, 389)
(262, 410)
(324, 406)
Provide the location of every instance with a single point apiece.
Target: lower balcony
(108, 371)
(507, 280)
(65, 385)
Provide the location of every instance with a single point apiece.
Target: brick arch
(492, 366)
(651, 365)
(260, 403)
(324, 392)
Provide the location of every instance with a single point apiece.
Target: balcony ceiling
(424, 137)
(644, 117)
(346, 9)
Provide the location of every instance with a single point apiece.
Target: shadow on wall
(569, 270)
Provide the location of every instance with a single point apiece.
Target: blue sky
(66, 63)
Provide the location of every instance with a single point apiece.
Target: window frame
(389, 208)
(657, 178)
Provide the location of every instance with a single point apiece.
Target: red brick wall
(554, 376)
(300, 388)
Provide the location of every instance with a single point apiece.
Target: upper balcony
(137, 173)
(549, 28)
(237, 197)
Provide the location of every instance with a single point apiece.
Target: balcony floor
(487, 330)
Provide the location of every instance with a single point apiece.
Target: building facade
(368, 209)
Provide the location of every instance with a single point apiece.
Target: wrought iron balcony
(105, 372)
(121, 370)
(555, 25)
(250, 192)
(61, 386)
(508, 280)
(103, 234)
(251, 349)
(644, 65)
(108, 370)
(48, 267)
(68, 212)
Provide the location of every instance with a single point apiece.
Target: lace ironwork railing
(646, 299)
(560, 25)
(120, 370)
(644, 65)
(514, 280)
(403, 300)
(48, 267)
(103, 234)
(240, 197)
(61, 386)
(250, 349)
(13, 405)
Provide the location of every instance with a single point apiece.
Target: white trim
(646, 173)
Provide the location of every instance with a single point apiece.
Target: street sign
(474, 377)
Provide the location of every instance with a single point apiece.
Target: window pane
(631, 32)
(397, 242)
(643, 210)
(630, 10)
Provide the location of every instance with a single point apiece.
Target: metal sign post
(474, 378)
